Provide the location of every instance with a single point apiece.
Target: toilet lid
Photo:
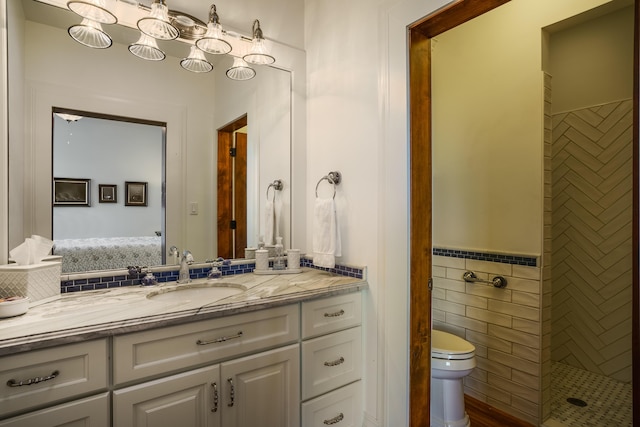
(448, 346)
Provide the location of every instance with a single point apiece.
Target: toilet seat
(447, 346)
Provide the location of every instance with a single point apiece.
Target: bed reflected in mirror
(108, 208)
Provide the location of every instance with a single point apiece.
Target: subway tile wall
(504, 325)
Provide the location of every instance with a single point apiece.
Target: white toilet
(452, 358)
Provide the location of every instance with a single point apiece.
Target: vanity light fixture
(259, 54)
(90, 33)
(157, 24)
(164, 24)
(196, 61)
(212, 42)
(147, 48)
(240, 70)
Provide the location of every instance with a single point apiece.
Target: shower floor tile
(608, 402)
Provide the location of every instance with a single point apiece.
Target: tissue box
(40, 282)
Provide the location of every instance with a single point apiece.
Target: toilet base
(438, 422)
(447, 403)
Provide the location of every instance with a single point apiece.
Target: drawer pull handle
(335, 314)
(215, 397)
(221, 339)
(30, 381)
(335, 362)
(232, 392)
(334, 420)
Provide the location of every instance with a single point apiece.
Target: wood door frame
(224, 194)
(420, 34)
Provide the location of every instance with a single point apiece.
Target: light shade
(89, 33)
(259, 54)
(147, 48)
(212, 41)
(240, 70)
(157, 24)
(94, 10)
(196, 62)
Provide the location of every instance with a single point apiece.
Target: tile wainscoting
(505, 326)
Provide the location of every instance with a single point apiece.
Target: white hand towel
(269, 223)
(326, 234)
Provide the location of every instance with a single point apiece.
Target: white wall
(108, 152)
(597, 57)
(487, 173)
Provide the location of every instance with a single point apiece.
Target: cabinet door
(190, 399)
(262, 389)
(92, 411)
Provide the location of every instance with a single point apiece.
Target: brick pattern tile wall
(503, 324)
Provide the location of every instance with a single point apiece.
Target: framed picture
(135, 193)
(108, 193)
(71, 192)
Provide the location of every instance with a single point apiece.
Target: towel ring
(332, 178)
(277, 186)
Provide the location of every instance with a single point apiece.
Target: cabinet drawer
(340, 408)
(161, 351)
(330, 362)
(92, 411)
(55, 374)
(331, 314)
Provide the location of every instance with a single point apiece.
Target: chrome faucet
(215, 272)
(183, 275)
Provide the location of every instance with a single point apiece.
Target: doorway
(232, 189)
(420, 103)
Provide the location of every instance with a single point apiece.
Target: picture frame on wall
(71, 192)
(108, 193)
(135, 193)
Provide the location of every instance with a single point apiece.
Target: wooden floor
(483, 415)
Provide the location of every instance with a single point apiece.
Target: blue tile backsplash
(111, 281)
(487, 256)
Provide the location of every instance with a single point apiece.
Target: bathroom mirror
(55, 71)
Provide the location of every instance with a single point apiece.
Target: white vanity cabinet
(332, 361)
(285, 366)
(231, 390)
(256, 390)
(45, 378)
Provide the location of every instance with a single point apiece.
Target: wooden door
(240, 195)
(232, 190)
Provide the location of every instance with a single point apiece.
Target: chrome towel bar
(497, 281)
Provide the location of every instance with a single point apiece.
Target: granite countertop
(80, 316)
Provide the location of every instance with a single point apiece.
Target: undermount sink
(201, 293)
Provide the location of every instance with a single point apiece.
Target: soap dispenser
(278, 263)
